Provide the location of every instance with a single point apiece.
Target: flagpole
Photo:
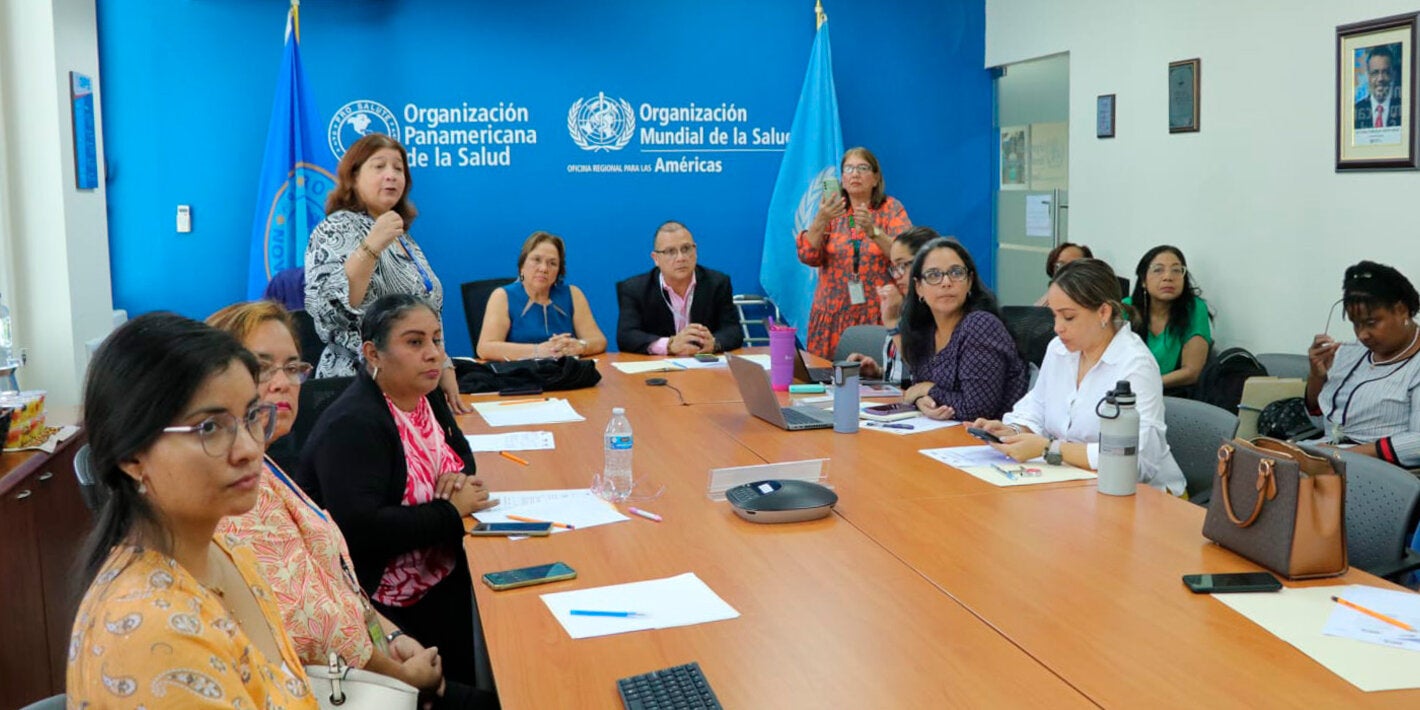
(818, 13)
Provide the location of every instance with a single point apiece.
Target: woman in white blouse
(1093, 350)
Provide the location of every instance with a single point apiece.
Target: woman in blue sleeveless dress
(539, 315)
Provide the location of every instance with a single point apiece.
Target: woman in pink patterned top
(300, 550)
(390, 464)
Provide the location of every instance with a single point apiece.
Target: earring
(376, 374)
(520, 277)
(142, 486)
(1104, 324)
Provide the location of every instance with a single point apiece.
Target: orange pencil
(522, 519)
(514, 459)
(1372, 614)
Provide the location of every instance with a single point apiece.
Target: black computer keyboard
(674, 687)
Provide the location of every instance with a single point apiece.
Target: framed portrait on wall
(1375, 94)
(1183, 95)
(1015, 157)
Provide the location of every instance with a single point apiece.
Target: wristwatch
(391, 636)
(1052, 453)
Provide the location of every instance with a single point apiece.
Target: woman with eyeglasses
(963, 360)
(299, 549)
(1365, 394)
(176, 615)
(539, 315)
(904, 248)
(362, 250)
(848, 242)
(1093, 350)
(1174, 320)
(389, 463)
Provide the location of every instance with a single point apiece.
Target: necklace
(217, 572)
(1403, 351)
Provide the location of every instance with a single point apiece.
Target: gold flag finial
(818, 13)
(296, 19)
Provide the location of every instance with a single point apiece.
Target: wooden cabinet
(43, 522)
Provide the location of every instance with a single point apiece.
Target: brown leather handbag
(1281, 507)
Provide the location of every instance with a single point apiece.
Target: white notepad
(527, 412)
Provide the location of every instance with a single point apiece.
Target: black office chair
(1033, 327)
(1195, 430)
(316, 396)
(310, 342)
(475, 302)
(865, 339)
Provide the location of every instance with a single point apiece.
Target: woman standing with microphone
(362, 251)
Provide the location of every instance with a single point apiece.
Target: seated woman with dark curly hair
(1364, 393)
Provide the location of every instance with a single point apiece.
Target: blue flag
(296, 173)
(815, 146)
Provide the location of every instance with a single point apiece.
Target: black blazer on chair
(646, 313)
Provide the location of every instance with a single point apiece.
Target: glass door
(1032, 202)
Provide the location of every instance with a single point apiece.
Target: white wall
(1253, 199)
(56, 236)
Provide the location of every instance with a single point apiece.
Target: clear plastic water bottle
(6, 345)
(616, 473)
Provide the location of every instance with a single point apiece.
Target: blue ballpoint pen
(1004, 472)
(589, 612)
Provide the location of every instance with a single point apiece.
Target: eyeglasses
(956, 274)
(296, 372)
(219, 432)
(897, 270)
(1159, 270)
(850, 169)
(673, 252)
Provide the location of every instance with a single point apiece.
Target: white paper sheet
(512, 441)
(660, 604)
(1038, 215)
(1297, 616)
(527, 412)
(579, 508)
(998, 469)
(918, 423)
(1401, 606)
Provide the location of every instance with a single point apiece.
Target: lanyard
(281, 476)
(1346, 410)
(428, 282)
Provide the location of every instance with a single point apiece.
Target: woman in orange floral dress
(848, 241)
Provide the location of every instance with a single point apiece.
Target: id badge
(855, 292)
(377, 632)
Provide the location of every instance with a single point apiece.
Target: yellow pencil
(1373, 614)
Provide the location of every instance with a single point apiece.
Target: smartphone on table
(495, 529)
(889, 412)
(528, 576)
(706, 357)
(1232, 582)
(984, 435)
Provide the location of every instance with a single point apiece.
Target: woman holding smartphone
(849, 241)
(1094, 349)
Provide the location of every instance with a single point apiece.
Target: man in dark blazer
(1381, 79)
(679, 308)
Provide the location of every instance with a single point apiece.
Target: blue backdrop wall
(186, 88)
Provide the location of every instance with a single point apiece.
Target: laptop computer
(811, 375)
(758, 394)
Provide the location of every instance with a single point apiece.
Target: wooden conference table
(928, 588)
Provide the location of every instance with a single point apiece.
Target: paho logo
(356, 119)
(600, 123)
(809, 202)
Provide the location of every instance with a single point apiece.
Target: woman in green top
(1173, 320)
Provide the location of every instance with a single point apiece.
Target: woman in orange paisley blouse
(175, 614)
(848, 241)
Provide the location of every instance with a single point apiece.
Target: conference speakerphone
(786, 501)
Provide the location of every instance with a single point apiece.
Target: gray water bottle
(845, 397)
(1119, 441)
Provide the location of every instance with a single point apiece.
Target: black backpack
(1221, 382)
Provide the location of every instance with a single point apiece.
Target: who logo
(600, 123)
